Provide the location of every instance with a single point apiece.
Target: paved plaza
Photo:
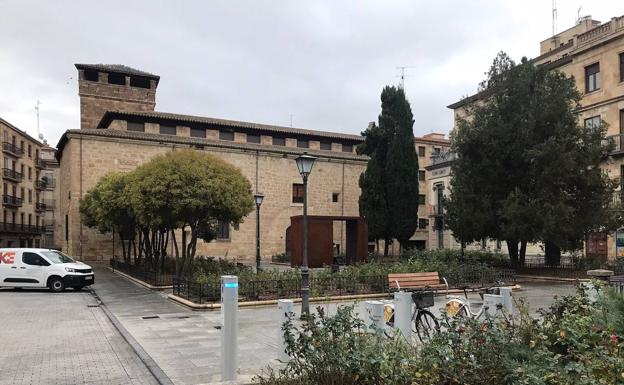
(62, 339)
(58, 339)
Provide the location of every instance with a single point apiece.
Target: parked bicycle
(458, 307)
(423, 322)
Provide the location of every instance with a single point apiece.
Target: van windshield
(57, 257)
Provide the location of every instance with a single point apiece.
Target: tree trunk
(552, 254)
(177, 252)
(512, 247)
(523, 246)
(386, 247)
(462, 250)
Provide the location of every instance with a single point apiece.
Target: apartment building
(593, 53)
(21, 223)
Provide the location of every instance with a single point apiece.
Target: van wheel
(78, 288)
(56, 285)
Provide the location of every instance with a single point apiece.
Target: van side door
(8, 267)
(33, 269)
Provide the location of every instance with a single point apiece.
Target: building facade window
(226, 135)
(622, 67)
(326, 146)
(592, 77)
(198, 132)
(251, 138)
(91, 75)
(29, 173)
(436, 150)
(297, 193)
(167, 130)
(29, 151)
(423, 223)
(421, 199)
(119, 79)
(421, 151)
(278, 141)
(302, 143)
(29, 196)
(421, 175)
(66, 228)
(223, 230)
(136, 126)
(335, 197)
(347, 148)
(593, 122)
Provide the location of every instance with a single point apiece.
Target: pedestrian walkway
(186, 344)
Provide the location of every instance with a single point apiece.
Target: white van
(21, 267)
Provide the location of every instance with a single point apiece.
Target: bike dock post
(375, 312)
(403, 314)
(285, 308)
(229, 330)
(507, 299)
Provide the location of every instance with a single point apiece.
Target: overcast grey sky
(324, 62)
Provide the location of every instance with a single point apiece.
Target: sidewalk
(186, 344)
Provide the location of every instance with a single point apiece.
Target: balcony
(40, 163)
(11, 201)
(436, 211)
(49, 204)
(12, 175)
(40, 207)
(6, 227)
(614, 144)
(12, 149)
(443, 157)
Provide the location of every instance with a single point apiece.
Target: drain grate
(150, 317)
(183, 317)
(96, 305)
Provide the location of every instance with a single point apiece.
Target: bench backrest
(413, 280)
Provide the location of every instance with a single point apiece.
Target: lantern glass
(258, 198)
(305, 164)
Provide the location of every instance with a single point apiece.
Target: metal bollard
(229, 330)
(285, 307)
(507, 300)
(403, 314)
(375, 316)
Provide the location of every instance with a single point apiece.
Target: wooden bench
(415, 281)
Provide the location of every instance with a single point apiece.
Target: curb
(147, 360)
(553, 279)
(217, 305)
(138, 281)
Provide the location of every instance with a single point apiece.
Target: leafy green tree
(188, 190)
(526, 170)
(106, 208)
(389, 198)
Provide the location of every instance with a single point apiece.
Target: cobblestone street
(51, 339)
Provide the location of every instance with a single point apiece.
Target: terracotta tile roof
(185, 119)
(201, 142)
(118, 68)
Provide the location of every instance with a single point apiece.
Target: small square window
(253, 138)
(326, 146)
(335, 197)
(116, 79)
(226, 135)
(279, 141)
(136, 126)
(91, 75)
(198, 132)
(297, 193)
(421, 175)
(301, 143)
(167, 130)
(423, 223)
(347, 148)
(421, 151)
(421, 199)
(140, 82)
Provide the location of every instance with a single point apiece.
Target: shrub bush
(575, 341)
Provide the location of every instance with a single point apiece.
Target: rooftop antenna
(578, 15)
(554, 17)
(402, 76)
(291, 116)
(37, 109)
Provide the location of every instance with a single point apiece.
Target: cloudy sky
(322, 62)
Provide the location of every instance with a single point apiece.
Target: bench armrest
(447, 286)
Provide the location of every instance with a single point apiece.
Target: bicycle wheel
(426, 325)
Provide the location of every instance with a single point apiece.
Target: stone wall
(272, 173)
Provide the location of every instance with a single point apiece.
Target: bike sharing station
(405, 314)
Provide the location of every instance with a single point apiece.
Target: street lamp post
(304, 165)
(258, 197)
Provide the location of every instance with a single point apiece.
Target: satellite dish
(41, 136)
